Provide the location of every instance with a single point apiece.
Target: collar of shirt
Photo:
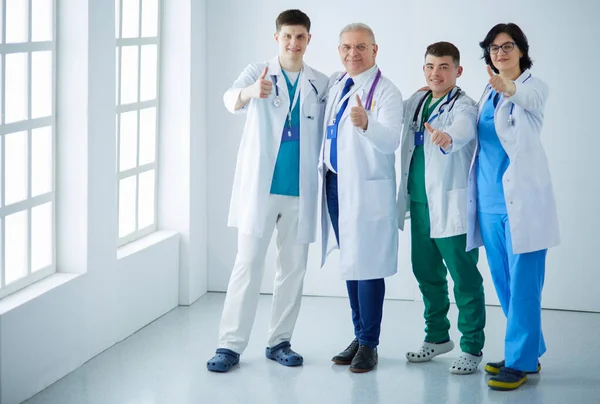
(361, 78)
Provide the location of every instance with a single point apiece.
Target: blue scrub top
(286, 176)
(492, 161)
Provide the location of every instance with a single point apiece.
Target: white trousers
(244, 285)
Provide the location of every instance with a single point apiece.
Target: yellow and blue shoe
(507, 379)
(493, 368)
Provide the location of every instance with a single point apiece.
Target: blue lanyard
(369, 101)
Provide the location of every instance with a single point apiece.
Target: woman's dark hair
(518, 37)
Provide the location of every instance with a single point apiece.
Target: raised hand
(501, 84)
(358, 115)
(262, 87)
(439, 138)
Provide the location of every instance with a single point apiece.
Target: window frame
(136, 171)
(27, 125)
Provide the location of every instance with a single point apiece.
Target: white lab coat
(368, 219)
(446, 175)
(260, 145)
(528, 191)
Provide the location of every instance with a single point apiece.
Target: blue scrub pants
(366, 297)
(518, 279)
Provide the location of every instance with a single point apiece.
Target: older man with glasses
(363, 129)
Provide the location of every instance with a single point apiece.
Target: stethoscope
(277, 99)
(511, 119)
(369, 101)
(449, 102)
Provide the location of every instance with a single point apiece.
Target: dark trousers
(366, 297)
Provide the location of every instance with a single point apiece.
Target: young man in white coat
(363, 121)
(437, 149)
(275, 185)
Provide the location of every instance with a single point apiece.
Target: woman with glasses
(512, 211)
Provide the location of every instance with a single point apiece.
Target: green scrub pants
(428, 258)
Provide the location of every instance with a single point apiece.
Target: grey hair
(358, 26)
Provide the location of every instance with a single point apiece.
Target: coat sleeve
(385, 129)
(246, 78)
(464, 125)
(531, 95)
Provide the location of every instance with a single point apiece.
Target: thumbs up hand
(262, 87)
(501, 84)
(358, 115)
(439, 138)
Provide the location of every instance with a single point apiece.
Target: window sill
(34, 291)
(144, 242)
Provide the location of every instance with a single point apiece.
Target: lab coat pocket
(379, 197)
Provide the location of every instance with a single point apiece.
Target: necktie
(333, 153)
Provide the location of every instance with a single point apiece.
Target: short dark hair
(517, 35)
(441, 49)
(292, 17)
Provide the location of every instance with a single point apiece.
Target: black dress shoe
(365, 359)
(345, 357)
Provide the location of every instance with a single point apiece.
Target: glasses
(506, 47)
(361, 47)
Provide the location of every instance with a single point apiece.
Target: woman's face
(505, 54)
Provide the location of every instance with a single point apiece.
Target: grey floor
(165, 362)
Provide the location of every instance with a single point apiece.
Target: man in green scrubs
(437, 150)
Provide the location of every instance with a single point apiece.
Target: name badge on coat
(419, 138)
(332, 131)
(290, 134)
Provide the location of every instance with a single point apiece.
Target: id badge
(419, 138)
(290, 134)
(332, 132)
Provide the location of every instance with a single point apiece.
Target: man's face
(357, 51)
(292, 40)
(441, 73)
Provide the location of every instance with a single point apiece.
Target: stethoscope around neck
(277, 99)
(511, 119)
(449, 103)
(369, 101)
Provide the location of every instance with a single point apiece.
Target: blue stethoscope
(511, 119)
(277, 100)
(449, 102)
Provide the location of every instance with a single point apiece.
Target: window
(27, 138)
(138, 34)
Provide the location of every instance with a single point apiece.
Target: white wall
(102, 295)
(563, 39)
(182, 140)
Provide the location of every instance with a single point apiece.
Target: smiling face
(292, 40)
(505, 59)
(357, 51)
(441, 73)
